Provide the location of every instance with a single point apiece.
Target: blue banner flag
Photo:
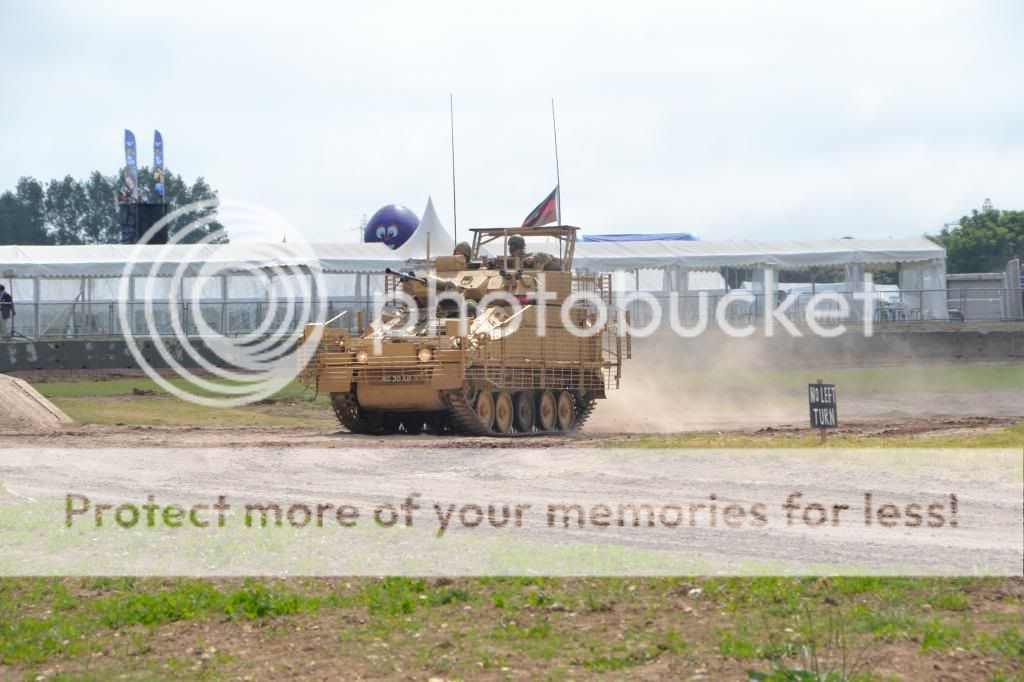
(158, 163)
(131, 175)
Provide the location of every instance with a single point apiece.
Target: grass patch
(71, 626)
(1008, 643)
(170, 411)
(939, 636)
(531, 626)
(129, 387)
(142, 402)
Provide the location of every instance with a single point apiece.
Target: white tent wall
(109, 260)
(352, 273)
(923, 287)
(764, 284)
(1014, 283)
(935, 305)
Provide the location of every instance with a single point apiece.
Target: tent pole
(35, 302)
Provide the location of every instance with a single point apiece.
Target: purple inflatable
(391, 225)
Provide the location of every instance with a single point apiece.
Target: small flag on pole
(546, 211)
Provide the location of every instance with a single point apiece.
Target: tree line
(72, 211)
(983, 241)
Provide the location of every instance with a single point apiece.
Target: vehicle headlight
(362, 356)
(425, 355)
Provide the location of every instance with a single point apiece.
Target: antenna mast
(558, 179)
(451, 118)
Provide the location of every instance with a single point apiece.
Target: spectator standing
(6, 312)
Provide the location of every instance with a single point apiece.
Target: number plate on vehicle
(401, 378)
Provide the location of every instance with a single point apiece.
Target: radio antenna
(455, 206)
(558, 178)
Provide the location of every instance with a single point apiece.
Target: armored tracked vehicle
(514, 344)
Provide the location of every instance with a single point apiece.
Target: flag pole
(558, 179)
(451, 119)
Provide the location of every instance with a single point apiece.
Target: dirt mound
(23, 408)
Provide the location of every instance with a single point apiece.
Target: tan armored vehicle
(516, 344)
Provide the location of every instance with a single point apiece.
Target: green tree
(65, 209)
(983, 241)
(100, 224)
(22, 214)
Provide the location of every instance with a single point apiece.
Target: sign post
(824, 409)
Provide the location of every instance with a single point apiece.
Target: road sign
(824, 410)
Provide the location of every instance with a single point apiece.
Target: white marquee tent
(26, 262)
(52, 274)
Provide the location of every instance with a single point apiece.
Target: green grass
(68, 628)
(115, 402)
(765, 623)
(126, 387)
(939, 636)
(170, 411)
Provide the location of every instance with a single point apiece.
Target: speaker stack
(137, 218)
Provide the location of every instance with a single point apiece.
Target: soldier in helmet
(463, 249)
(466, 251)
(532, 261)
(516, 247)
(516, 250)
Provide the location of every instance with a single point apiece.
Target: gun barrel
(406, 278)
(425, 281)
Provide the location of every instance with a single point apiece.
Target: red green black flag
(546, 211)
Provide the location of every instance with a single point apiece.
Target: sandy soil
(22, 408)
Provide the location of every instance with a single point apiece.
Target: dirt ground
(653, 401)
(25, 409)
(313, 436)
(528, 628)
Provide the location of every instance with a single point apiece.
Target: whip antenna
(451, 119)
(558, 179)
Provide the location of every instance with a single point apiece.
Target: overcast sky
(782, 120)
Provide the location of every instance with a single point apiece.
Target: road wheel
(525, 411)
(547, 411)
(503, 412)
(485, 409)
(566, 411)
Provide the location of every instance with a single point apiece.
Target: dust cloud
(715, 382)
(672, 385)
